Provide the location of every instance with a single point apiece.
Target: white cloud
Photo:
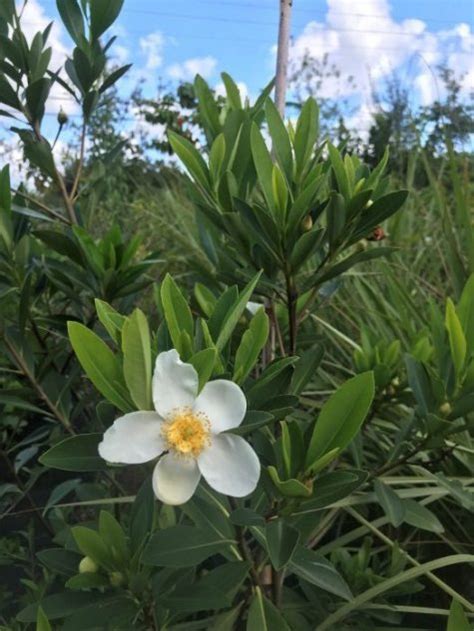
(187, 70)
(371, 45)
(152, 47)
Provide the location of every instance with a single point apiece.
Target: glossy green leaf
(282, 540)
(457, 620)
(100, 365)
(204, 362)
(333, 487)
(42, 622)
(264, 616)
(263, 164)
(306, 134)
(251, 344)
(392, 505)
(233, 314)
(183, 546)
(178, 316)
(341, 417)
(280, 140)
(421, 517)
(72, 18)
(91, 544)
(191, 158)
(113, 535)
(77, 453)
(457, 340)
(291, 487)
(103, 14)
(318, 571)
(136, 348)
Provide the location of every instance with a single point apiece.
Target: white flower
(189, 427)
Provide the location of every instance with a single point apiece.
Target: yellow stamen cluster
(187, 432)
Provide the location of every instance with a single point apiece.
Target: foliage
(356, 360)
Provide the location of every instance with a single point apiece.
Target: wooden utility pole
(282, 55)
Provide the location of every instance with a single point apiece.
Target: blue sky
(369, 39)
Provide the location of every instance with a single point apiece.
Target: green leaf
(204, 362)
(113, 77)
(420, 384)
(136, 347)
(264, 616)
(341, 417)
(77, 453)
(233, 315)
(282, 540)
(42, 622)
(306, 368)
(216, 158)
(59, 560)
(246, 517)
(335, 217)
(183, 546)
(232, 91)
(392, 505)
(305, 247)
(58, 606)
(191, 158)
(177, 314)
(306, 134)
(333, 487)
(320, 572)
(280, 139)
(103, 14)
(72, 18)
(91, 544)
(421, 517)
(457, 620)
(142, 516)
(36, 94)
(457, 340)
(100, 365)
(280, 194)
(339, 169)
(291, 487)
(114, 537)
(252, 342)
(208, 109)
(383, 208)
(110, 319)
(263, 164)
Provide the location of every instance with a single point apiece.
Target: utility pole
(282, 55)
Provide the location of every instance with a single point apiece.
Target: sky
(169, 42)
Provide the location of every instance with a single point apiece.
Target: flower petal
(224, 404)
(133, 438)
(175, 479)
(175, 384)
(230, 465)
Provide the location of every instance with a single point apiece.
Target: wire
(202, 18)
(260, 7)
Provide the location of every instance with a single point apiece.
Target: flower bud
(307, 223)
(445, 409)
(362, 245)
(395, 382)
(62, 117)
(369, 204)
(87, 565)
(116, 579)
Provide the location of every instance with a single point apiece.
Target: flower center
(187, 432)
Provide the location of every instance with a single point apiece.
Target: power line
(202, 18)
(266, 42)
(260, 7)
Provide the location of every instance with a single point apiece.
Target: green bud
(87, 565)
(116, 579)
(445, 409)
(395, 382)
(369, 204)
(62, 117)
(307, 223)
